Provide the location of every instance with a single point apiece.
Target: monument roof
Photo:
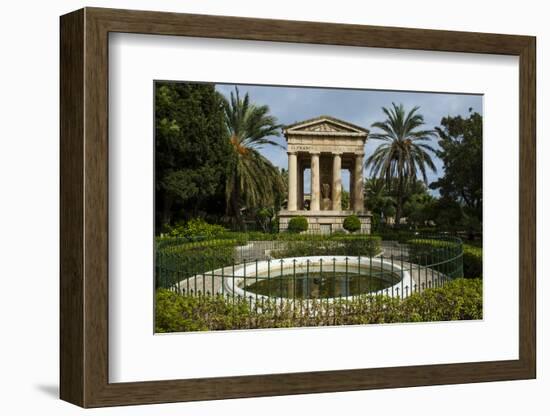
(325, 125)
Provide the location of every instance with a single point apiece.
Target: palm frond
(250, 127)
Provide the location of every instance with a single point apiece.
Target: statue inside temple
(326, 202)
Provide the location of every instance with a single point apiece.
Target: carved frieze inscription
(321, 148)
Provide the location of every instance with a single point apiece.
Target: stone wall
(324, 221)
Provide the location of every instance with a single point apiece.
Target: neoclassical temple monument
(325, 145)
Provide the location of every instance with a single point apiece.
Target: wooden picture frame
(84, 207)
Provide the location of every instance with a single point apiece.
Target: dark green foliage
(404, 152)
(288, 236)
(448, 214)
(400, 235)
(297, 224)
(427, 251)
(352, 223)
(180, 260)
(378, 198)
(473, 261)
(420, 247)
(461, 299)
(418, 208)
(253, 181)
(196, 228)
(267, 220)
(461, 150)
(191, 151)
(177, 313)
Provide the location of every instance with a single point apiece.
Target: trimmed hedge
(396, 235)
(196, 227)
(352, 223)
(460, 299)
(336, 246)
(298, 224)
(176, 262)
(428, 251)
(473, 261)
(290, 236)
(425, 251)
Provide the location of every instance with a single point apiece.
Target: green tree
(405, 151)
(281, 198)
(345, 200)
(460, 141)
(265, 218)
(253, 181)
(448, 213)
(419, 208)
(191, 150)
(378, 199)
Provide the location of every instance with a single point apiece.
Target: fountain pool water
(318, 277)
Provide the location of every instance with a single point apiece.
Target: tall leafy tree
(460, 141)
(405, 151)
(252, 181)
(377, 198)
(191, 149)
(419, 207)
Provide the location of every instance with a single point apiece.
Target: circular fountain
(318, 277)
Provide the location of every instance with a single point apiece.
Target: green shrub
(240, 238)
(297, 224)
(180, 313)
(176, 313)
(358, 245)
(177, 262)
(288, 236)
(460, 299)
(352, 223)
(401, 236)
(473, 261)
(196, 228)
(427, 251)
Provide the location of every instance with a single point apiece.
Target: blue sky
(361, 107)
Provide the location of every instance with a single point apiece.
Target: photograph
(297, 206)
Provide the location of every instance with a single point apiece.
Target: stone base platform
(325, 222)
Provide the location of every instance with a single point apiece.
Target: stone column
(351, 188)
(315, 183)
(300, 185)
(358, 183)
(337, 182)
(292, 181)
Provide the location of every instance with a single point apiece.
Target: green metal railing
(297, 272)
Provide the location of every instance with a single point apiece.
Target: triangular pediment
(325, 124)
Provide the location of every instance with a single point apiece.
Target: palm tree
(377, 198)
(404, 152)
(253, 181)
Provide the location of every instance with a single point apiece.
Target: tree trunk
(399, 207)
(166, 215)
(235, 207)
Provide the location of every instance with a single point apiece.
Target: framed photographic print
(255, 207)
